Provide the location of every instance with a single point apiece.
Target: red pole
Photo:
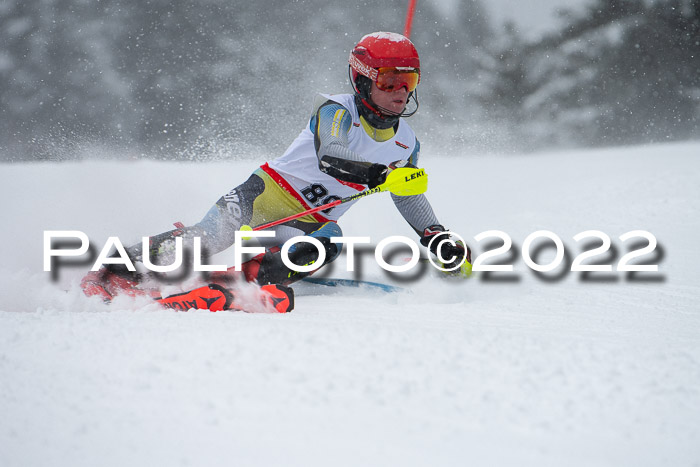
(409, 18)
(303, 213)
(320, 208)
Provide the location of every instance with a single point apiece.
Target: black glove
(376, 174)
(445, 247)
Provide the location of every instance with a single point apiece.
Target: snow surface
(526, 371)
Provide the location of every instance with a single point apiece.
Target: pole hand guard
(406, 181)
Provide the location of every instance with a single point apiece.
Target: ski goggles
(394, 78)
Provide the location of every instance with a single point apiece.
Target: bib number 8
(316, 194)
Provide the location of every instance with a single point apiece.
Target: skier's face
(393, 101)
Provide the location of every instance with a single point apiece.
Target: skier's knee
(324, 234)
(217, 219)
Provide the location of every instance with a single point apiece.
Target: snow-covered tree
(623, 71)
(170, 74)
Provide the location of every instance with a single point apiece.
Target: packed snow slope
(526, 369)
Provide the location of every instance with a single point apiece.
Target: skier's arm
(415, 209)
(330, 126)
(420, 216)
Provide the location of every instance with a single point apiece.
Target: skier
(351, 143)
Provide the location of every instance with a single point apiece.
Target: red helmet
(383, 49)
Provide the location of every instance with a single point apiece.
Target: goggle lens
(392, 79)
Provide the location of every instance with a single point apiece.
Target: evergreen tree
(172, 74)
(621, 72)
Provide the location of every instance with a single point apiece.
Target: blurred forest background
(208, 79)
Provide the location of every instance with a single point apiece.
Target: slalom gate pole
(409, 18)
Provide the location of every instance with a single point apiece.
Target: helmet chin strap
(378, 111)
(379, 117)
(403, 113)
(372, 113)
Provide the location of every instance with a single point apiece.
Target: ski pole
(403, 181)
